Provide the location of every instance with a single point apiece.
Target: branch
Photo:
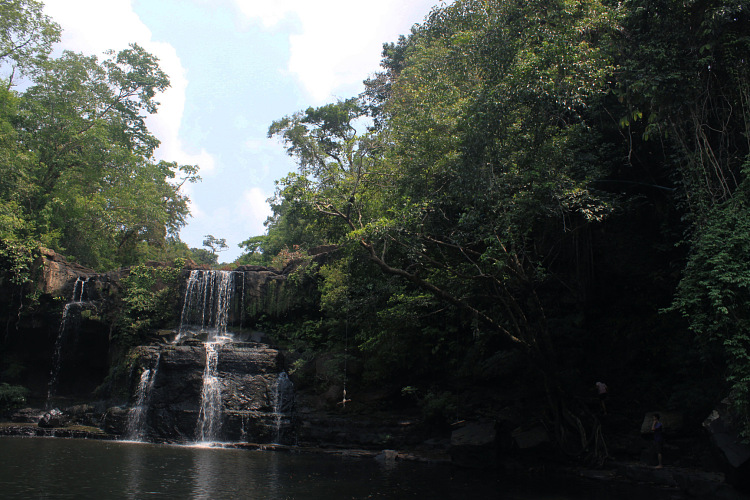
(438, 292)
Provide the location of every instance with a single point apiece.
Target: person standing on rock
(602, 390)
(658, 430)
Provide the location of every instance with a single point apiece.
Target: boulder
(115, 420)
(27, 416)
(51, 419)
(474, 445)
(723, 429)
(531, 438)
(85, 414)
(58, 274)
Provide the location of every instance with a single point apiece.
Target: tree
(95, 191)
(685, 81)
(715, 290)
(479, 167)
(215, 244)
(26, 35)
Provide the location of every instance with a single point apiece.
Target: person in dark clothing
(658, 430)
(603, 391)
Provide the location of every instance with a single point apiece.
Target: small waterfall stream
(282, 398)
(209, 418)
(76, 301)
(208, 301)
(136, 428)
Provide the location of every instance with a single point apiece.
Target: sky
(235, 66)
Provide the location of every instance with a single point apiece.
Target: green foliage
(715, 290)
(76, 157)
(149, 301)
(12, 396)
(504, 172)
(439, 408)
(256, 252)
(17, 248)
(203, 256)
(684, 72)
(26, 34)
(215, 244)
(474, 173)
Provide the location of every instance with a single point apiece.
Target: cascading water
(209, 418)
(79, 292)
(136, 428)
(207, 304)
(282, 400)
(242, 392)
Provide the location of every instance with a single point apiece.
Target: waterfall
(282, 400)
(79, 288)
(79, 291)
(242, 302)
(209, 418)
(207, 303)
(136, 429)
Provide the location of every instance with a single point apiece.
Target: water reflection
(134, 465)
(63, 468)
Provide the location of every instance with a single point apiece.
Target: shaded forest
(535, 195)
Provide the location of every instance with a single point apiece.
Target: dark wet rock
(722, 426)
(694, 483)
(86, 414)
(27, 415)
(474, 445)
(320, 428)
(35, 431)
(531, 438)
(257, 398)
(115, 420)
(53, 418)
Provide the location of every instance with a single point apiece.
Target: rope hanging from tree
(346, 342)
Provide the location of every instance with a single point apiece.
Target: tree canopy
(77, 160)
(492, 166)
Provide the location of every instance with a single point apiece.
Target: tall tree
(480, 165)
(215, 244)
(26, 35)
(97, 193)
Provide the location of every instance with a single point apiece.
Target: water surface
(54, 468)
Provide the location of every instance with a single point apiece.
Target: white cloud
(339, 42)
(94, 26)
(253, 210)
(196, 212)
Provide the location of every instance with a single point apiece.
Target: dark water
(68, 468)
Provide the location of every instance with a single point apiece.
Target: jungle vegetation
(566, 180)
(555, 190)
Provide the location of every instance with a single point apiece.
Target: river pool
(54, 468)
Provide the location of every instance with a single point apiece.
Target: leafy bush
(12, 396)
(149, 298)
(715, 290)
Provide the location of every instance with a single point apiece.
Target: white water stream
(79, 292)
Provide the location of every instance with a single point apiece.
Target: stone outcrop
(256, 401)
(58, 275)
(723, 430)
